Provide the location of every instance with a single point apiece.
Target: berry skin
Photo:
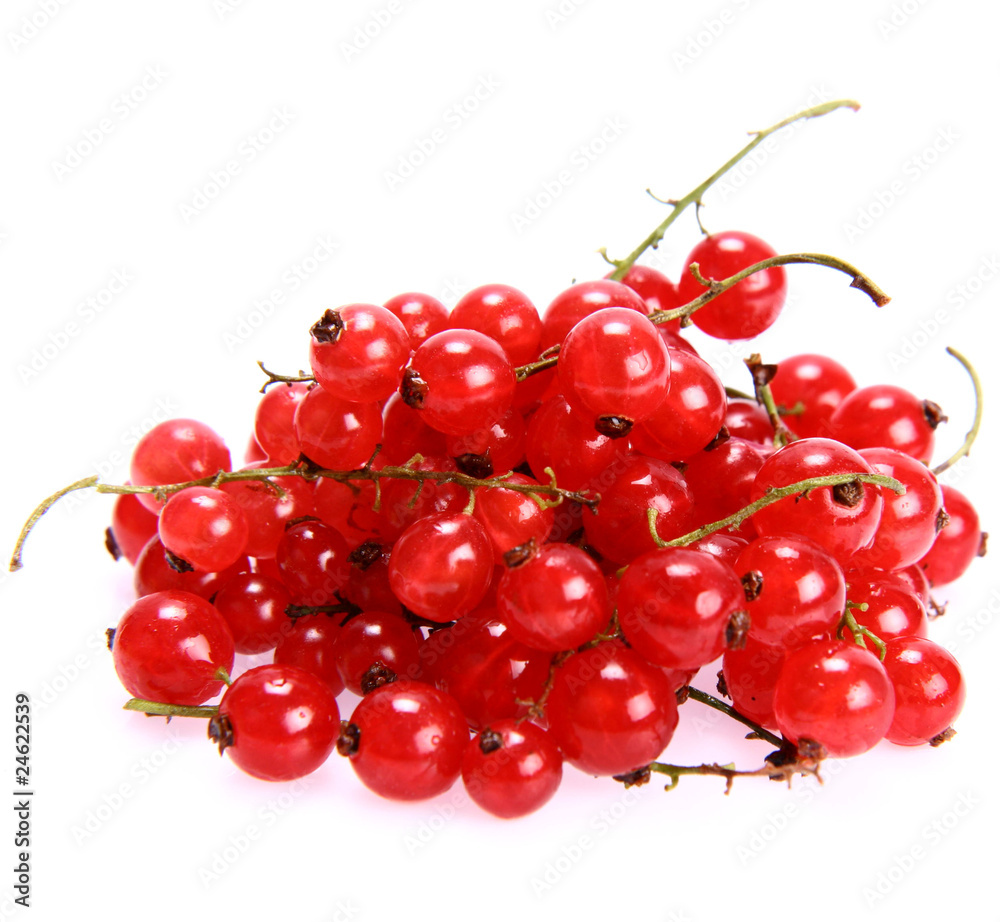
(659, 293)
(930, 690)
(273, 422)
(840, 519)
(358, 352)
(254, 608)
(582, 299)
(371, 639)
(176, 451)
(817, 382)
(609, 711)
(506, 315)
(170, 646)
(910, 522)
(335, 433)
(555, 600)
(313, 560)
(796, 590)
(511, 769)
(512, 518)
(885, 416)
(460, 381)
(957, 544)
(423, 315)
(751, 675)
(204, 527)
(614, 369)
(132, 525)
(153, 573)
(308, 644)
(674, 605)
(836, 694)
(269, 510)
(284, 722)
(748, 308)
(441, 566)
(410, 742)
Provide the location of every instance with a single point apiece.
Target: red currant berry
(254, 608)
(675, 605)
(747, 419)
(274, 422)
(512, 518)
(958, 542)
(176, 451)
(337, 434)
(609, 711)
(746, 309)
(371, 646)
(842, 519)
(358, 352)
(205, 528)
(441, 566)
(423, 315)
(930, 690)
(268, 507)
(308, 644)
(409, 741)
(836, 694)
(581, 300)
(277, 722)
(170, 647)
(132, 525)
(891, 612)
(503, 313)
(553, 597)
(614, 369)
(155, 573)
(751, 674)
(511, 769)
(313, 560)
(659, 293)
(460, 381)
(720, 479)
(885, 416)
(818, 383)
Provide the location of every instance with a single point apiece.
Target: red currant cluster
(509, 524)
(534, 530)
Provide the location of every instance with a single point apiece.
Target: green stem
(715, 287)
(762, 375)
(730, 711)
(773, 495)
(729, 772)
(158, 709)
(970, 437)
(858, 632)
(694, 196)
(309, 471)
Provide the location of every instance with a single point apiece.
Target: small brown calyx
(176, 563)
(934, 414)
(520, 555)
(936, 609)
(983, 538)
(377, 675)
(111, 544)
(490, 741)
(413, 389)
(478, 466)
(942, 520)
(614, 427)
(753, 583)
(946, 734)
(350, 737)
(220, 731)
(848, 494)
(809, 750)
(762, 374)
(736, 630)
(110, 635)
(365, 554)
(682, 694)
(635, 778)
(328, 328)
(721, 436)
(720, 686)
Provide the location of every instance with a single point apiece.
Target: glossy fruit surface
(284, 722)
(170, 646)
(204, 527)
(930, 689)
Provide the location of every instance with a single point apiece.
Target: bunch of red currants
(518, 537)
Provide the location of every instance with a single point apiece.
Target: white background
(137, 819)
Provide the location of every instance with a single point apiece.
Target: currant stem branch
(694, 196)
(774, 772)
(774, 495)
(159, 709)
(274, 378)
(762, 375)
(715, 287)
(730, 711)
(309, 471)
(971, 435)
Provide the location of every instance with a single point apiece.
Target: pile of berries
(502, 531)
